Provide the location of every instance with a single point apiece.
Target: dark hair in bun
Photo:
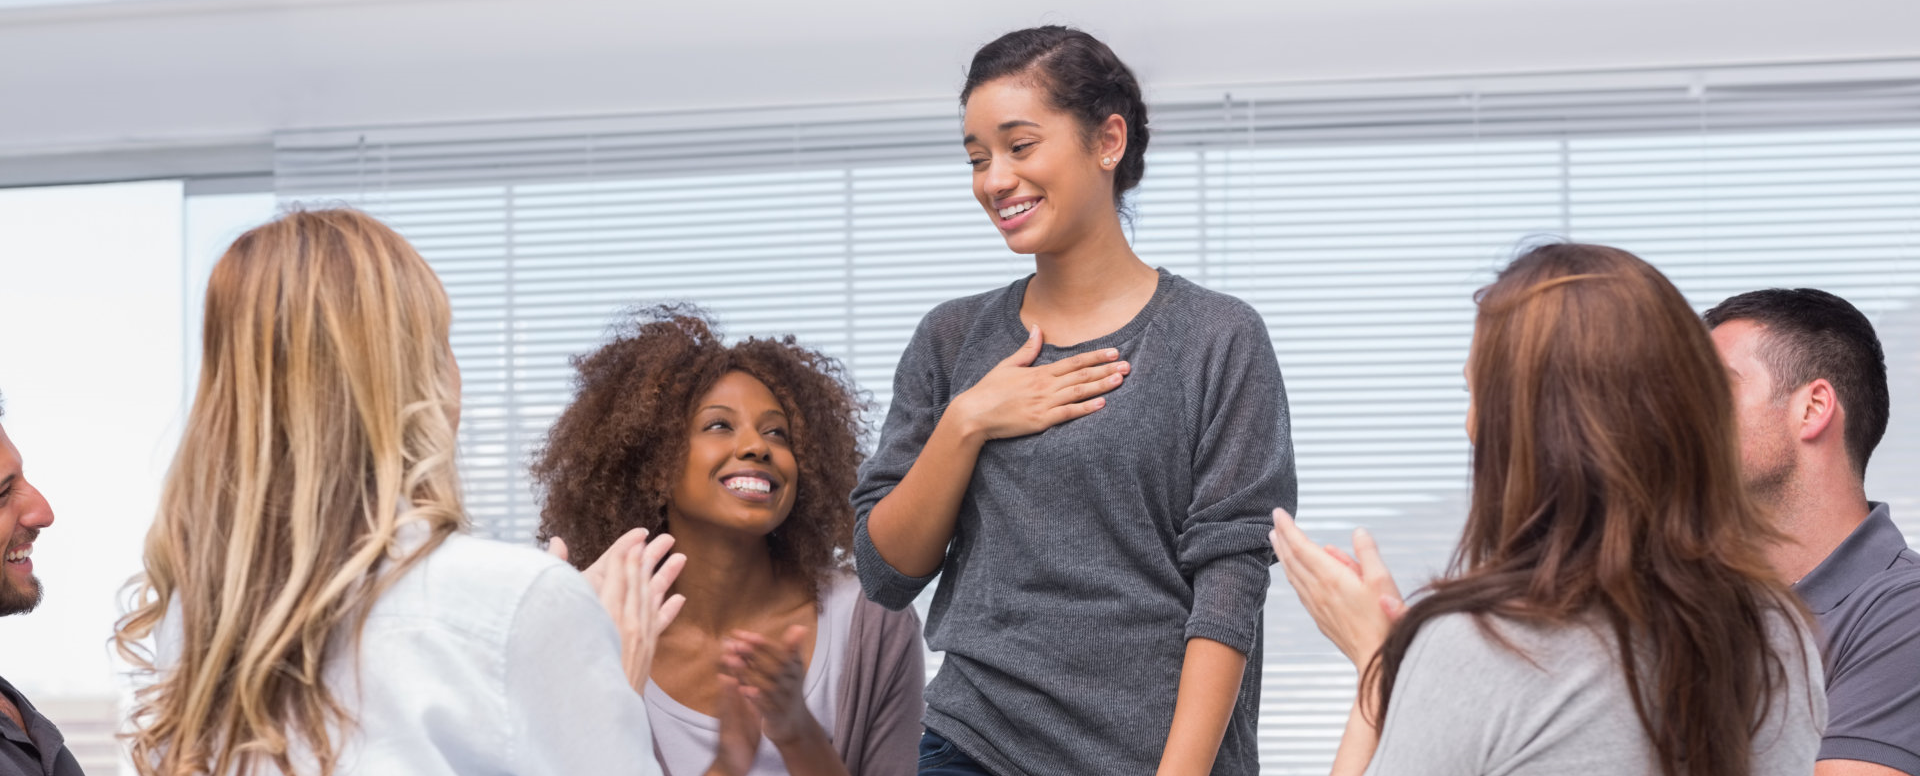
(1082, 77)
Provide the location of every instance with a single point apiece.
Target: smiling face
(740, 472)
(23, 513)
(1043, 183)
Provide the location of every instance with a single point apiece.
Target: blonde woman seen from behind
(316, 603)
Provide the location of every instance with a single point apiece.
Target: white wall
(90, 361)
(169, 72)
(100, 292)
(211, 224)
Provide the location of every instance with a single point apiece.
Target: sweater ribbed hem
(976, 747)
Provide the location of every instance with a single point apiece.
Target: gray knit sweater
(1085, 556)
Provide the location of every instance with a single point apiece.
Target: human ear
(1819, 407)
(1110, 141)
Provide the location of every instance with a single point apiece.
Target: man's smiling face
(23, 513)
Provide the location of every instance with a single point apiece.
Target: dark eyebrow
(725, 408)
(1004, 126)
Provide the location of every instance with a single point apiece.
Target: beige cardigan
(877, 726)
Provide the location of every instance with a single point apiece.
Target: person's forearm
(1357, 743)
(811, 754)
(912, 526)
(1209, 685)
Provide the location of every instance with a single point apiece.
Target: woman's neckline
(1016, 329)
(809, 684)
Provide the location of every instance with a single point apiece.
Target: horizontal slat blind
(1358, 224)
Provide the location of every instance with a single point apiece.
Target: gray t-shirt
(1466, 705)
(1866, 596)
(1085, 556)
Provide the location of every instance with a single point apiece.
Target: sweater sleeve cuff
(1228, 595)
(883, 583)
(1867, 750)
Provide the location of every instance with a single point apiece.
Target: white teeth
(750, 484)
(20, 554)
(1009, 212)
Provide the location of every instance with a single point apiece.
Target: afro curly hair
(611, 460)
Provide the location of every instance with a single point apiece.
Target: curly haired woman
(745, 454)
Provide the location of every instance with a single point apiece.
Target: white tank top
(686, 738)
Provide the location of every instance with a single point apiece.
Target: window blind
(1357, 218)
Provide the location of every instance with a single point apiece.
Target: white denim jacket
(485, 658)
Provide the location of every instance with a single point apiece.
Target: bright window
(1358, 225)
(98, 341)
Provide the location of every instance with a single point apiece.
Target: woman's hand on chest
(1016, 398)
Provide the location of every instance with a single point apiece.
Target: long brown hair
(1607, 489)
(323, 420)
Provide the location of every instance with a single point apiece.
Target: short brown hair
(611, 459)
(1808, 334)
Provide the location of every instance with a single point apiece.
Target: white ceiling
(158, 73)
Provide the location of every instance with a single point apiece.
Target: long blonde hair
(324, 418)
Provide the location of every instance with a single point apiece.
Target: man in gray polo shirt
(1810, 386)
(29, 744)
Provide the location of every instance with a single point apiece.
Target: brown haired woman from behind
(1609, 608)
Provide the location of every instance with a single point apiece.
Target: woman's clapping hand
(739, 731)
(770, 674)
(632, 578)
(1352, 598)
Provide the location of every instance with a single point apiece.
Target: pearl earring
(1106, 162)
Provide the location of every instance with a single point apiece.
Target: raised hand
(598, 569)
(1015, 398)
(1374, 573)
(1352, 600)
(770, 674)
(739, 732)
(632, 578)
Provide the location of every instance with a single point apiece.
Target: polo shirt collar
(1870, 549)
(40, 732)
(27, 714)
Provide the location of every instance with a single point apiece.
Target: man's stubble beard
(13, 600)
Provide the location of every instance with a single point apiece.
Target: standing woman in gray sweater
(1087, 457)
